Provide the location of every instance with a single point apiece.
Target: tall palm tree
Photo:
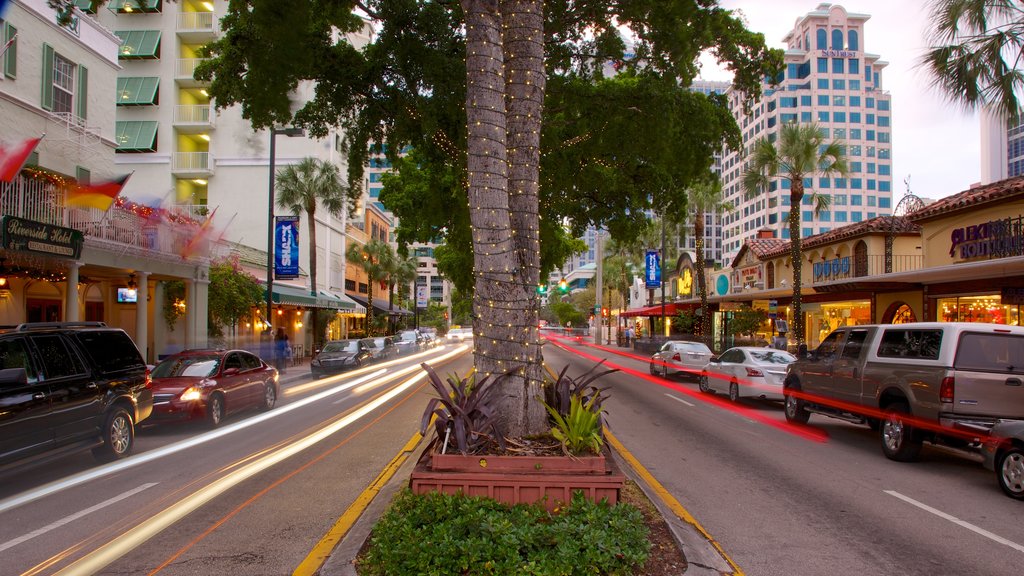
(374, 258)
(402, 271)
(976, 47)
(301, 188)
(704, 197)
(800, 152)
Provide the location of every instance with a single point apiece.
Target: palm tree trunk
(796, 195)
(311, 219)
(704, 325)
(369, 304)
(525, 79)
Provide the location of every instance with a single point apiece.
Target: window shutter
(11, 57)
(83, 91)
(47, 103)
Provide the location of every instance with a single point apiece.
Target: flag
(201, 240)
(13, 157)
(100, 195)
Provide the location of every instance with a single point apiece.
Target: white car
(460, 334)
(746, 371)
(680, 357)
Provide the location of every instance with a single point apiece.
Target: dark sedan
(339, 355)
(381, 348)
(209, 384)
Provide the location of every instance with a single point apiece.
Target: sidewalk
(336, 552)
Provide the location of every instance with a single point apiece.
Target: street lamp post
(290, 132)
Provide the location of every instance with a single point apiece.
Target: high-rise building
(829, 78)
(1002, 147)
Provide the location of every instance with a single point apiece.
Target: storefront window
(822, 319)
(988, 309)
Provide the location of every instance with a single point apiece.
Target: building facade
(829, 78)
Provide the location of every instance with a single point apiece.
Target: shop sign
(839, 53)
(722, 284)
(749, 275)
(1012, 296)
(835, 268)
(730, 306)
(760, 305)
(39, 238)
(684, 284)
(286, 248)
(652, 274)
(992, 239)
(773, 306)
(422, 296)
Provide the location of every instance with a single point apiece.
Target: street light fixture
(291, 133)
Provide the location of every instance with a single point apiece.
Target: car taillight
(149, 378)
(946, 390)
(752, 372)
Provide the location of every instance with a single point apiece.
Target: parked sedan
(680, 357)
(1004, 453)
(409, 342)
(339, 355)
(747, 371)
(210, 384)
(381, 348)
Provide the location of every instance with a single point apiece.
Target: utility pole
(663, 255)
(598, 291)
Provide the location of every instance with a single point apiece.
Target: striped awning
(138, 44)
(136, 135)
(137, 91)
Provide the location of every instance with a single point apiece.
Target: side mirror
(801, 351)
(715, 360)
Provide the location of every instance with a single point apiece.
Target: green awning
(136, 136)
(134, 6)
(138, 44)
(295, 296)
(137, 91)
(85, 6)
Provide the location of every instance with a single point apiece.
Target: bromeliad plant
(577, 411)
(464, 413)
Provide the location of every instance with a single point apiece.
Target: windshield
(772, 357)
(343, 346)
(188, 366)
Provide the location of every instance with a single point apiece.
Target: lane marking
(957, 521)
(69, 519)
(676, 398)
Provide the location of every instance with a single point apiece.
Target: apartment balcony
(192, 164)
(184, 72)
(196, 27)
(193, 118)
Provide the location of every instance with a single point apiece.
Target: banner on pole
(286, 247)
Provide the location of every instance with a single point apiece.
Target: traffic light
(563, 286)
(604, 312)
(542, 289)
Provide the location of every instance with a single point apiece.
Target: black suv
(70, 385)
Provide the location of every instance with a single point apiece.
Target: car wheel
(214, 410)
(795, 410)
(269, 396)
(900, 442)
(734, 392)
(702, 383)
(1010, 472)
(654, 368)
(118, 435)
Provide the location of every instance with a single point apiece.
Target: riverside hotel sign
(992, 239)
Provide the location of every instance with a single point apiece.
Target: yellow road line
(666, 497)
(319, 554)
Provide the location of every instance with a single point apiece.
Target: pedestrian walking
(282, 350)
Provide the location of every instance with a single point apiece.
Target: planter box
(519, 479)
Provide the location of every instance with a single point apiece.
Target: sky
(936, 144)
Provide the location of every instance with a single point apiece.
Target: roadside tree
(374, 258)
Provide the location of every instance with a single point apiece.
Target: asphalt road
(252, 497)
(809, 500)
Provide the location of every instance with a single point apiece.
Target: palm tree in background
(374, 258)
(976, 48)
(301, 188)
(401, 273)
(800, 152)
(704, 197)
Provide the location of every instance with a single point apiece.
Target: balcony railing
(192, 163)
(845, 267)
(196, 22)
(194, 115)
(185, 69)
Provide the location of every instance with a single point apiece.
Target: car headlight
(191, 394)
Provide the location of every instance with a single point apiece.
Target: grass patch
(442, 534)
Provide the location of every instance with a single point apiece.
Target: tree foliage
(233, 293)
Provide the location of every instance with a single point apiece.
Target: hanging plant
(174, 300)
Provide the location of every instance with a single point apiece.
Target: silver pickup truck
(926, 381)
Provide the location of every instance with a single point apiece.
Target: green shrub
(443, 534)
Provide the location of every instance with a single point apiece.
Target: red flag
(201, 239)
(13, 157)
(100, 195)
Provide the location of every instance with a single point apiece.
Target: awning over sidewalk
(382, 306)
(670, 310)
(300, 296)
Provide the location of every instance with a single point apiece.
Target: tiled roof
(762, 246)
(879, 225)
(970, 198)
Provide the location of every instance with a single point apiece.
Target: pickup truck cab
(924, 381)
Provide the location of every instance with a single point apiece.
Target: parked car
(339, 355)
(1004, 453)
(747, 371)
(460, 334)
(409, 342)
(959, 378)
(210, 384)
(70, 384)
(681, 357)
(381, 348)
